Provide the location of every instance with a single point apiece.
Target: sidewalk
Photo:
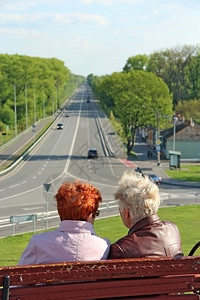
(16, 148)
(150, 165)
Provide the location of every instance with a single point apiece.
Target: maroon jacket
(149, 237)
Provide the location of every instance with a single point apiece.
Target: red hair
(77, 200)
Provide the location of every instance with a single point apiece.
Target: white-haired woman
(148, 236)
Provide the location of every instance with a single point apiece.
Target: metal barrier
(15, 220)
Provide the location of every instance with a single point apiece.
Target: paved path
(17, 147)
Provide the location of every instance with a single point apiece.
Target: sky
(96, 36)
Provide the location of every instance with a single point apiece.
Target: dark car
(155, 178)
(59, 126)
(92, 153)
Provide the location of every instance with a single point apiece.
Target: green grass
(185, 217)
(186, 172)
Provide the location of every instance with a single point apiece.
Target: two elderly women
(76, 240)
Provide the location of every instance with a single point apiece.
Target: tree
(179, 68)
(189, 109)
(140, 98)
(36, 81)
(137, 62)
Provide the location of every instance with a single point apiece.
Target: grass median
(186, 218)
(186, 173)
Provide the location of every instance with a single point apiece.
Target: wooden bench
(144, 278)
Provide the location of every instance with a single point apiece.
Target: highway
(62, 156)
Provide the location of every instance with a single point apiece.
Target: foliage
(180, 70)
(138, 62)
(136, 98)
(189, 109)
(37, 85)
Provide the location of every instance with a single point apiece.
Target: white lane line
(74, 138)
(22, 193)
(24, 182)
(12, 186)
(39, 207)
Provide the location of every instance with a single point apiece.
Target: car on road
(59, 126)
(156, 179)
(93, 153)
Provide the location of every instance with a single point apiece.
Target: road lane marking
(74, 138)
(12, 186)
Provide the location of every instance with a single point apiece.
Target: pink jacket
(72, 241)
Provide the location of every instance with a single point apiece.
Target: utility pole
(43, 103)
(158, 138)
(34, 107)
(174, 136)
(26, 106)
(15, 108)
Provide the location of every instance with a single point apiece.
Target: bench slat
(109, 288)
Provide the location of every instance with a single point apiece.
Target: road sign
(158, 142)
(47, 186)
(158, 148)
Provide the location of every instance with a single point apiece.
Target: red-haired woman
(75, 239)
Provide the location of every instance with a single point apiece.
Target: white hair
(138, 194)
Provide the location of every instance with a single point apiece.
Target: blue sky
(96, 36)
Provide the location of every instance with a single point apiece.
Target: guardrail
(108, 208)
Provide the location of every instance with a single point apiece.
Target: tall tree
(140, 99)
(137, 62)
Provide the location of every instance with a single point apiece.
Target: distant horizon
(96, 36)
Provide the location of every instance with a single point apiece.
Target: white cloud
(101, 2)
(20, 32)
(13, 5)
(90, 18)
(57, 17)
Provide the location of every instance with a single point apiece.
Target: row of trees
(32, 88)
(151, 88)
(137, 99)
(179, 68)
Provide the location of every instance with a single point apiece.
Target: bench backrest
(103, 279)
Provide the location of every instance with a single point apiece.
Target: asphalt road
(62, 156)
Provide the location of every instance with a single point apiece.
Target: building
(187, 141)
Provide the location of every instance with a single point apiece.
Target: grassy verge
(186, 172)
(186, 218)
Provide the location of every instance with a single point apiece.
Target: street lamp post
(34, 105)
(26, 106)
(158, 138)
(43, 103)
(15, 108)
(158, 133)
(175, 119)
